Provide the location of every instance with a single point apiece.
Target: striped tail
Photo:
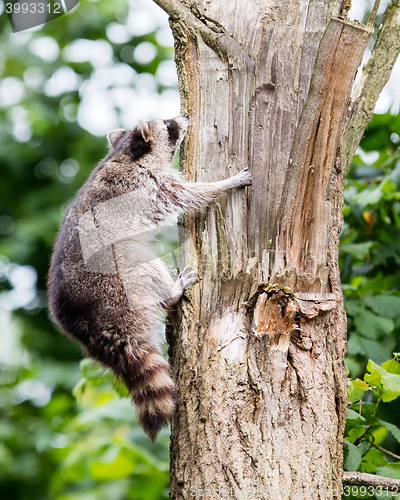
(144, 371)
(153, 392)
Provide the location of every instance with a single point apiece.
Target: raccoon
(106, 288)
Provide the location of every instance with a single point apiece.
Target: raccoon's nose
(185, 115)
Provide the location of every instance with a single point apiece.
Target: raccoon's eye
(173, 130)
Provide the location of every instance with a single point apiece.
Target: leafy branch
(363, 455)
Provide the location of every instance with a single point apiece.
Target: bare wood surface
(254, 385)
(302, 240)
(257, 346)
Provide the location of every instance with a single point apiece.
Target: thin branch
(358, 440)
(372, 16)
(387, 452)
(374, 77)
(215, 36)
(180, 13)
(171, 7)
(363, 479)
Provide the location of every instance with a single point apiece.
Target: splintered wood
(301, 235)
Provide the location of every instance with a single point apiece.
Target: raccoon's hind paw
(187, 278)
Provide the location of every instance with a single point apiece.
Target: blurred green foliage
(67, 432)
(370, 246)
(369, 260)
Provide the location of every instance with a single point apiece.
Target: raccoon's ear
(114, 136)
(144, 130)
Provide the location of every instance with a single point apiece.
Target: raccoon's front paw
(244, 177)
(187, 277)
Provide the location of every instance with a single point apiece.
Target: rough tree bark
(257, 345)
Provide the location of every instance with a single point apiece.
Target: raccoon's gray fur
(105, 287)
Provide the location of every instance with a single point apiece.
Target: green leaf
(352, 456)
(120, 388)
(373, 459)
(353, 366)
(356, 390)
(384, 305)
(104, 471)
(392, 366)
(364, 446)
(355, 433)
(369, 197)
(372, 326)
(92, 371)
(387, 186)
(390, 470)
(354, 416)
(79, 388)
(373, 378)
(368, 409)
(389, 382)
(114, 410)
(355, 345)
(379, 433)
(357, 250)
(352, 306)
(375, 350)
(391, 428)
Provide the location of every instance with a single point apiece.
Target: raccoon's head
(159, 139)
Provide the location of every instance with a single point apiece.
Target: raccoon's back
(77, 296)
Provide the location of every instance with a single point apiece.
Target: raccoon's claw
(187, 277)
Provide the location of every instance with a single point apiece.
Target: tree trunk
(257, 345)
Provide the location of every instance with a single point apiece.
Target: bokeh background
(67, 431)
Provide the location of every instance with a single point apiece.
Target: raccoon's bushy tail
(145, 372)
(153, 391)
